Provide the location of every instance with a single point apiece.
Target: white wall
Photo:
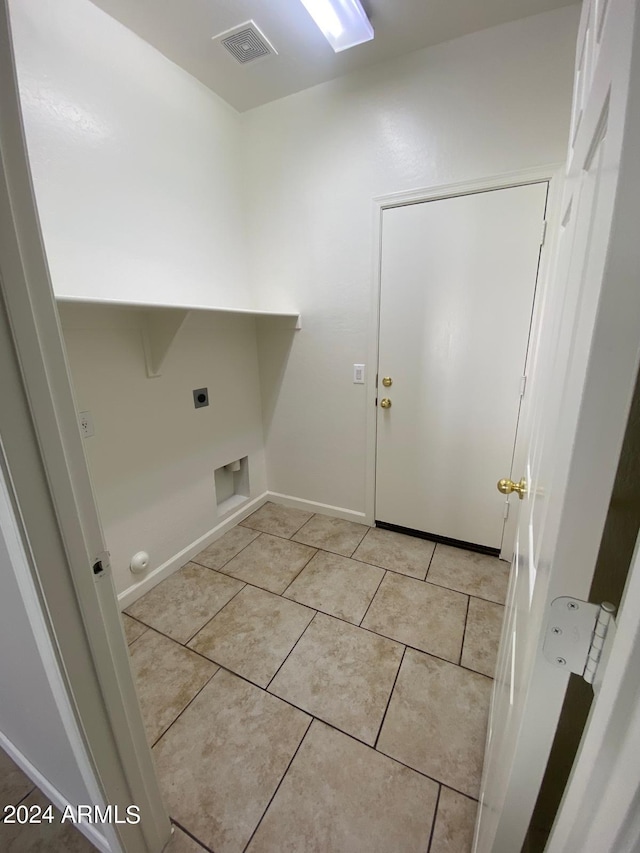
(140, 173)
(135, 163)
(37, 727)
(488, 103)
(153, 455)
(136, 168)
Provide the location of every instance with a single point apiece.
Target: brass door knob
(385, 403)
(387, 382)
(508, 486)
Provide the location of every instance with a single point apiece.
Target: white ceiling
(182, 30)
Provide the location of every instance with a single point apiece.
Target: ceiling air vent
(246, 43)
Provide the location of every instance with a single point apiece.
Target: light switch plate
(358, 374)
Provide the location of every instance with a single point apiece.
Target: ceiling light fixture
(344, 23)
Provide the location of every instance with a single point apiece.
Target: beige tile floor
(16, 789)
(311, 685)
(56, 837)
(320, 687)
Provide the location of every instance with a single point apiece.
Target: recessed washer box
(232, 485)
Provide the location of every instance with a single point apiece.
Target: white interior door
(458, 279)
(584, 370)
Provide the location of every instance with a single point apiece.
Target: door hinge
(578, 637)
(523, 385)
(543, 236)
(101, 563)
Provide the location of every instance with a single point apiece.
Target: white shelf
(164, 321)
(123, 303)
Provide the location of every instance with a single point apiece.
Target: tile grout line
(158, 631)
(470, 594)
(409, 646)
(359, 625)
(359, 543)
(269, 683)
(288, 538)
(386, 755)
(393, 687)
(190, 702)
(295, 532)
(135, 639)
(362, 562)
(220, 609)
(488, 600)
(324, 550)
(22, 799)
(327, 551)
(288, 767)
(191, 836)
(435, 817)
(304, 524)
(331, 726)
(324, 613)
(215, 662)
(226, 562)
(433, 553)
(335, 727)
(133, 617)
(315, 554)
(370, 528)
(244, 548)
(421, 772)
(200, 655)
(166, 636)
(464, 632)
(337, 553)
(385, 568)
(385, 637)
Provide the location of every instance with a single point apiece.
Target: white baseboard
(314, 506)
(53, 794)
(134, 592)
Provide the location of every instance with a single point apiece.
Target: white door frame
(552, 173)
(50, 483)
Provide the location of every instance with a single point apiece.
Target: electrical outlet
(86, 424)
(358, 374)
(200, 398)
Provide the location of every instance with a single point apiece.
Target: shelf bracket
(280, 322)
(160, 328)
